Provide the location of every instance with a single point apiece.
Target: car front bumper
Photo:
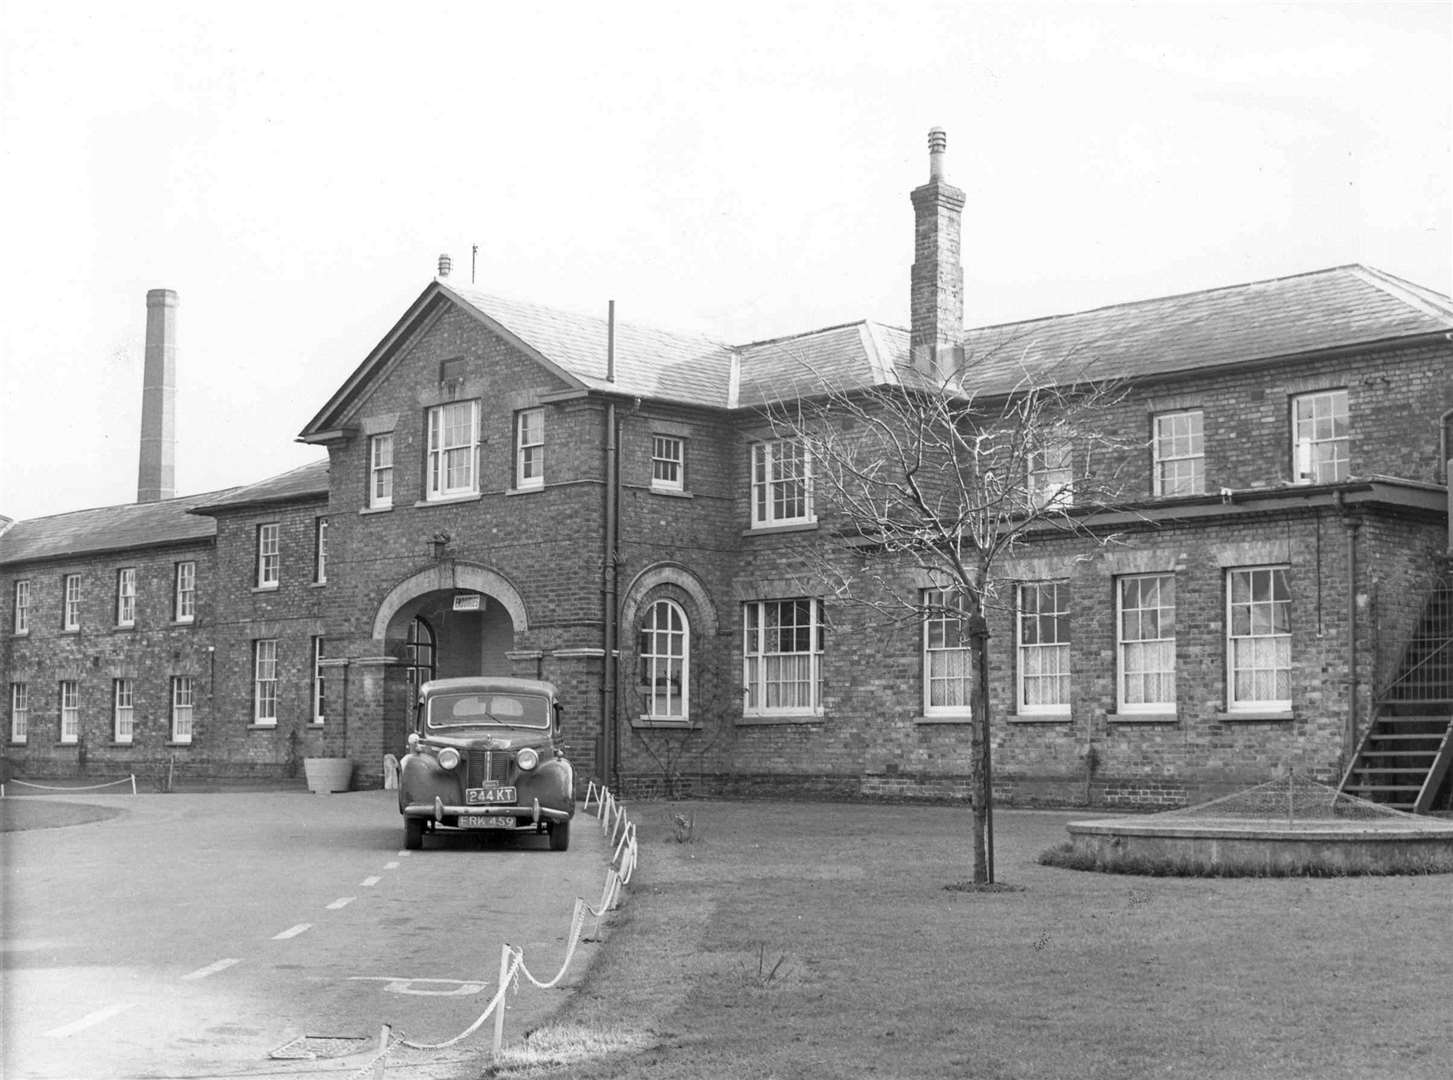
(439, 810)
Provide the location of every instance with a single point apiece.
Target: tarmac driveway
(201, 935)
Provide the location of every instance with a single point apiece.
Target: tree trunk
(980, 775)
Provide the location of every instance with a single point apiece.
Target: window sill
(265, 588)
(944, 718)
(784, 718)
(70, 630)
(797, 526)
(671, 493)
(129, 628)
(262, 727)
(316, 584)
(1141, 718)
(19, 742)
(21, 633)
(449, 500)
(1040, 718)
(532, 490)
(1254, 715)
(183, 622)
(376, 510)
(664, 725)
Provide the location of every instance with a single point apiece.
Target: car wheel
(559, 835)
(413, 833)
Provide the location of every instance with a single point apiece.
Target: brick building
(518, 490)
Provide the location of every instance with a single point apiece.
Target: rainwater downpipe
(1349, 739)
(609, 569)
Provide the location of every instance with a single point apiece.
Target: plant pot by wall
(326, 775)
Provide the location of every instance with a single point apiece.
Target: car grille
(490, 767)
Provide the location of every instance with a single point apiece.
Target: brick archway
(450, 576)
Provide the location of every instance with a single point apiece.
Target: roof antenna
(473, 260)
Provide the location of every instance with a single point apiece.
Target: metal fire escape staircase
(1405, 755)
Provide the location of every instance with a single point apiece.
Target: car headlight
(448, 758)
(527, 759)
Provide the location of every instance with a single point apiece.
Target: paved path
(196, 935)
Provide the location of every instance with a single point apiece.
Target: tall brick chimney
(156, 478)
(936, 330)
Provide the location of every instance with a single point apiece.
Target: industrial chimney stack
(156, 478)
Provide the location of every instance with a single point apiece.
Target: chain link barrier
(93, 787)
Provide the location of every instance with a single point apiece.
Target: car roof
(487, 683)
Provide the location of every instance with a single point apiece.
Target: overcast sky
(294, 170)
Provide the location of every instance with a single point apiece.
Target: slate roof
(308, 481)
(108, 528)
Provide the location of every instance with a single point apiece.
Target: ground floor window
(419, 653)
(1258, 638)
(948, 668)
(320, 687)
(782, 657)
(264, 681)
(123, 711)
(70, 695)
(665, 648)
(1043, 637)
(182, 705)
(19, 712)
(1146, 643)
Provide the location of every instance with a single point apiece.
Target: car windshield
(471, 709)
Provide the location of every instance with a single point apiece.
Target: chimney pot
(445, 265)
(937, 147)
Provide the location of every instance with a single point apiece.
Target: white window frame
(948, 654)
(1050, 475)
(71, 602)
(1145, 644)
(269, 555)
(1043, 662)
(320, 551)
(381, 471)
(1253, 624)
(1179, 453)
(22, 606)
(184, 609)
(1321, 439)
(529, 449)
(126, 596)
(320, 695)
(70, 709)
(453, 451)
(668, 463)
(665, 656)
(184, 704)
(19, 712)
(765, 663)
(123, 710)
(264, 682)
(782, 487)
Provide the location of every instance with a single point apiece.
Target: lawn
(795, 940)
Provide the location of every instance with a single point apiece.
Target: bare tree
(930, 475)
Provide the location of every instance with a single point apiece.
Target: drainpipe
(609, 576)
(1349, 738)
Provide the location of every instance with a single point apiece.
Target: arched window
(665, 662)
(420, 657)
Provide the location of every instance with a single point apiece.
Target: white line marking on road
(89, 1020)
(390, 866)
(211, 969)
(423, 987)
(293, 931)
(370, 882)
(341, 902)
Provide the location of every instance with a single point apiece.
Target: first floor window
(453, 449)
(781, 483)
(381, 471)
(782, 657)
(530, 448)
(1180, 453)
(1051, 472)
(22, 607)
(948, 662)
(1146, 643)
(1320, 437)
(71, 604)
(665, 661)
(186, 592)
(1044, 647)
(182, 704)
(19, 712)
(320, 550)
(320, 690)
(269, 555)
(1259, 638)
(668, 456)
(122, 709)
(126, 597)
(70, 711)
(264, 681)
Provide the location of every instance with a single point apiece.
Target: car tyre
(559, 835)
(413, 833)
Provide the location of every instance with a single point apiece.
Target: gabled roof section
(306, 482)
(108, 528)
(1343, 307)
